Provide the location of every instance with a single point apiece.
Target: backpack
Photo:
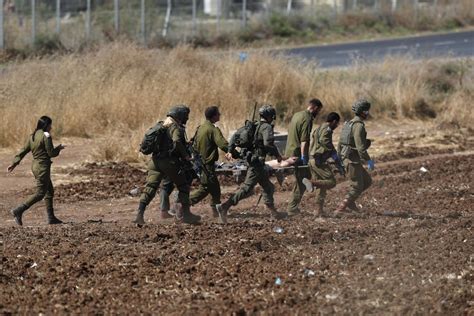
(244, 137)
(153, 139)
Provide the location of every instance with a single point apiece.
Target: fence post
(219, 12)
(194, 17)
(142, 21)
(167, 19)
(244, 13)
(2, 35)
(58, 16)
(88, 19)
(117, 16)
(288, 7)
(33, 21)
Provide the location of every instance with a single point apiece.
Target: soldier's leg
(323, 178)
(153, 181)
(298, 190)
(173, 172)
(268, 192)
(246, 188)
(367, 179)
(52, 219)
(198, 194)
(213, 188)
(356, 175)
(41, 174)
(166, 189)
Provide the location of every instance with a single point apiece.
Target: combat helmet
(267, 111)
(180, 113)
(360, 106)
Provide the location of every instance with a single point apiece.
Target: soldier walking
(352, 149)
(41, 146)
(206, 142)
(321, 149)
(257, 173)
(299, 133)
(168, 162)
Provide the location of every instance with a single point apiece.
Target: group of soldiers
(309, 150)
(172, 154)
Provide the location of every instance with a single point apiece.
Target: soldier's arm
(220, 141)
(48, 144)
(325, 139)
(305, 136)
(269, 141)
(177, 136)
(25, 150)
(360, 141)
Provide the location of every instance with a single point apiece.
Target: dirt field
(411, 251)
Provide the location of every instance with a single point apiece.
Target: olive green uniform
(353, 156)
(299, 131)
(207, 141)
(166, 163)
(41, 146)
(256, 172)
(320, 150)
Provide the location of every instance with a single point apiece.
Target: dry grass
(121, 89)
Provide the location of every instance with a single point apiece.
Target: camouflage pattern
(256, 172)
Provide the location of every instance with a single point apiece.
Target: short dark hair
(211, 112)
(316, 102)
(333, 116)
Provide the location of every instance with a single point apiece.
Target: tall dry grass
(118, 91)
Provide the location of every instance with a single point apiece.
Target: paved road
(456, 44)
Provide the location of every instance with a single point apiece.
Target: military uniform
(299, 131)
(207, 141)
(41, 146)
(353, 155)
(256, 172)
(168, 163)
(320, 150)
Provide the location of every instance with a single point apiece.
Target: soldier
(207, 140)
(299, 133)
(256, 172)
(321, 149)
(352, 149)
(168, 162)
(41, 146)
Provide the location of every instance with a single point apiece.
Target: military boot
(274, 213)
(188, 217)
(164, 214)
(353, 206)
(140, 221)
(342, 208)
(214, 213)
(52, 219)
(222, 209)
(18, 213)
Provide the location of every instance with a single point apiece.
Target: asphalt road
(456, 44)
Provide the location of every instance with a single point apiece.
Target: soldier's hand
(189, 159)
(228, 156)
(279, 158)
(61, 146)
(11, 168)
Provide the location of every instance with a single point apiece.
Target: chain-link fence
(79, 22)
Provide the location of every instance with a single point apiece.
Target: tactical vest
(347, 139)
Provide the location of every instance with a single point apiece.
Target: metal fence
(76, 22)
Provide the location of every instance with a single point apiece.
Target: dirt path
(410, 251)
